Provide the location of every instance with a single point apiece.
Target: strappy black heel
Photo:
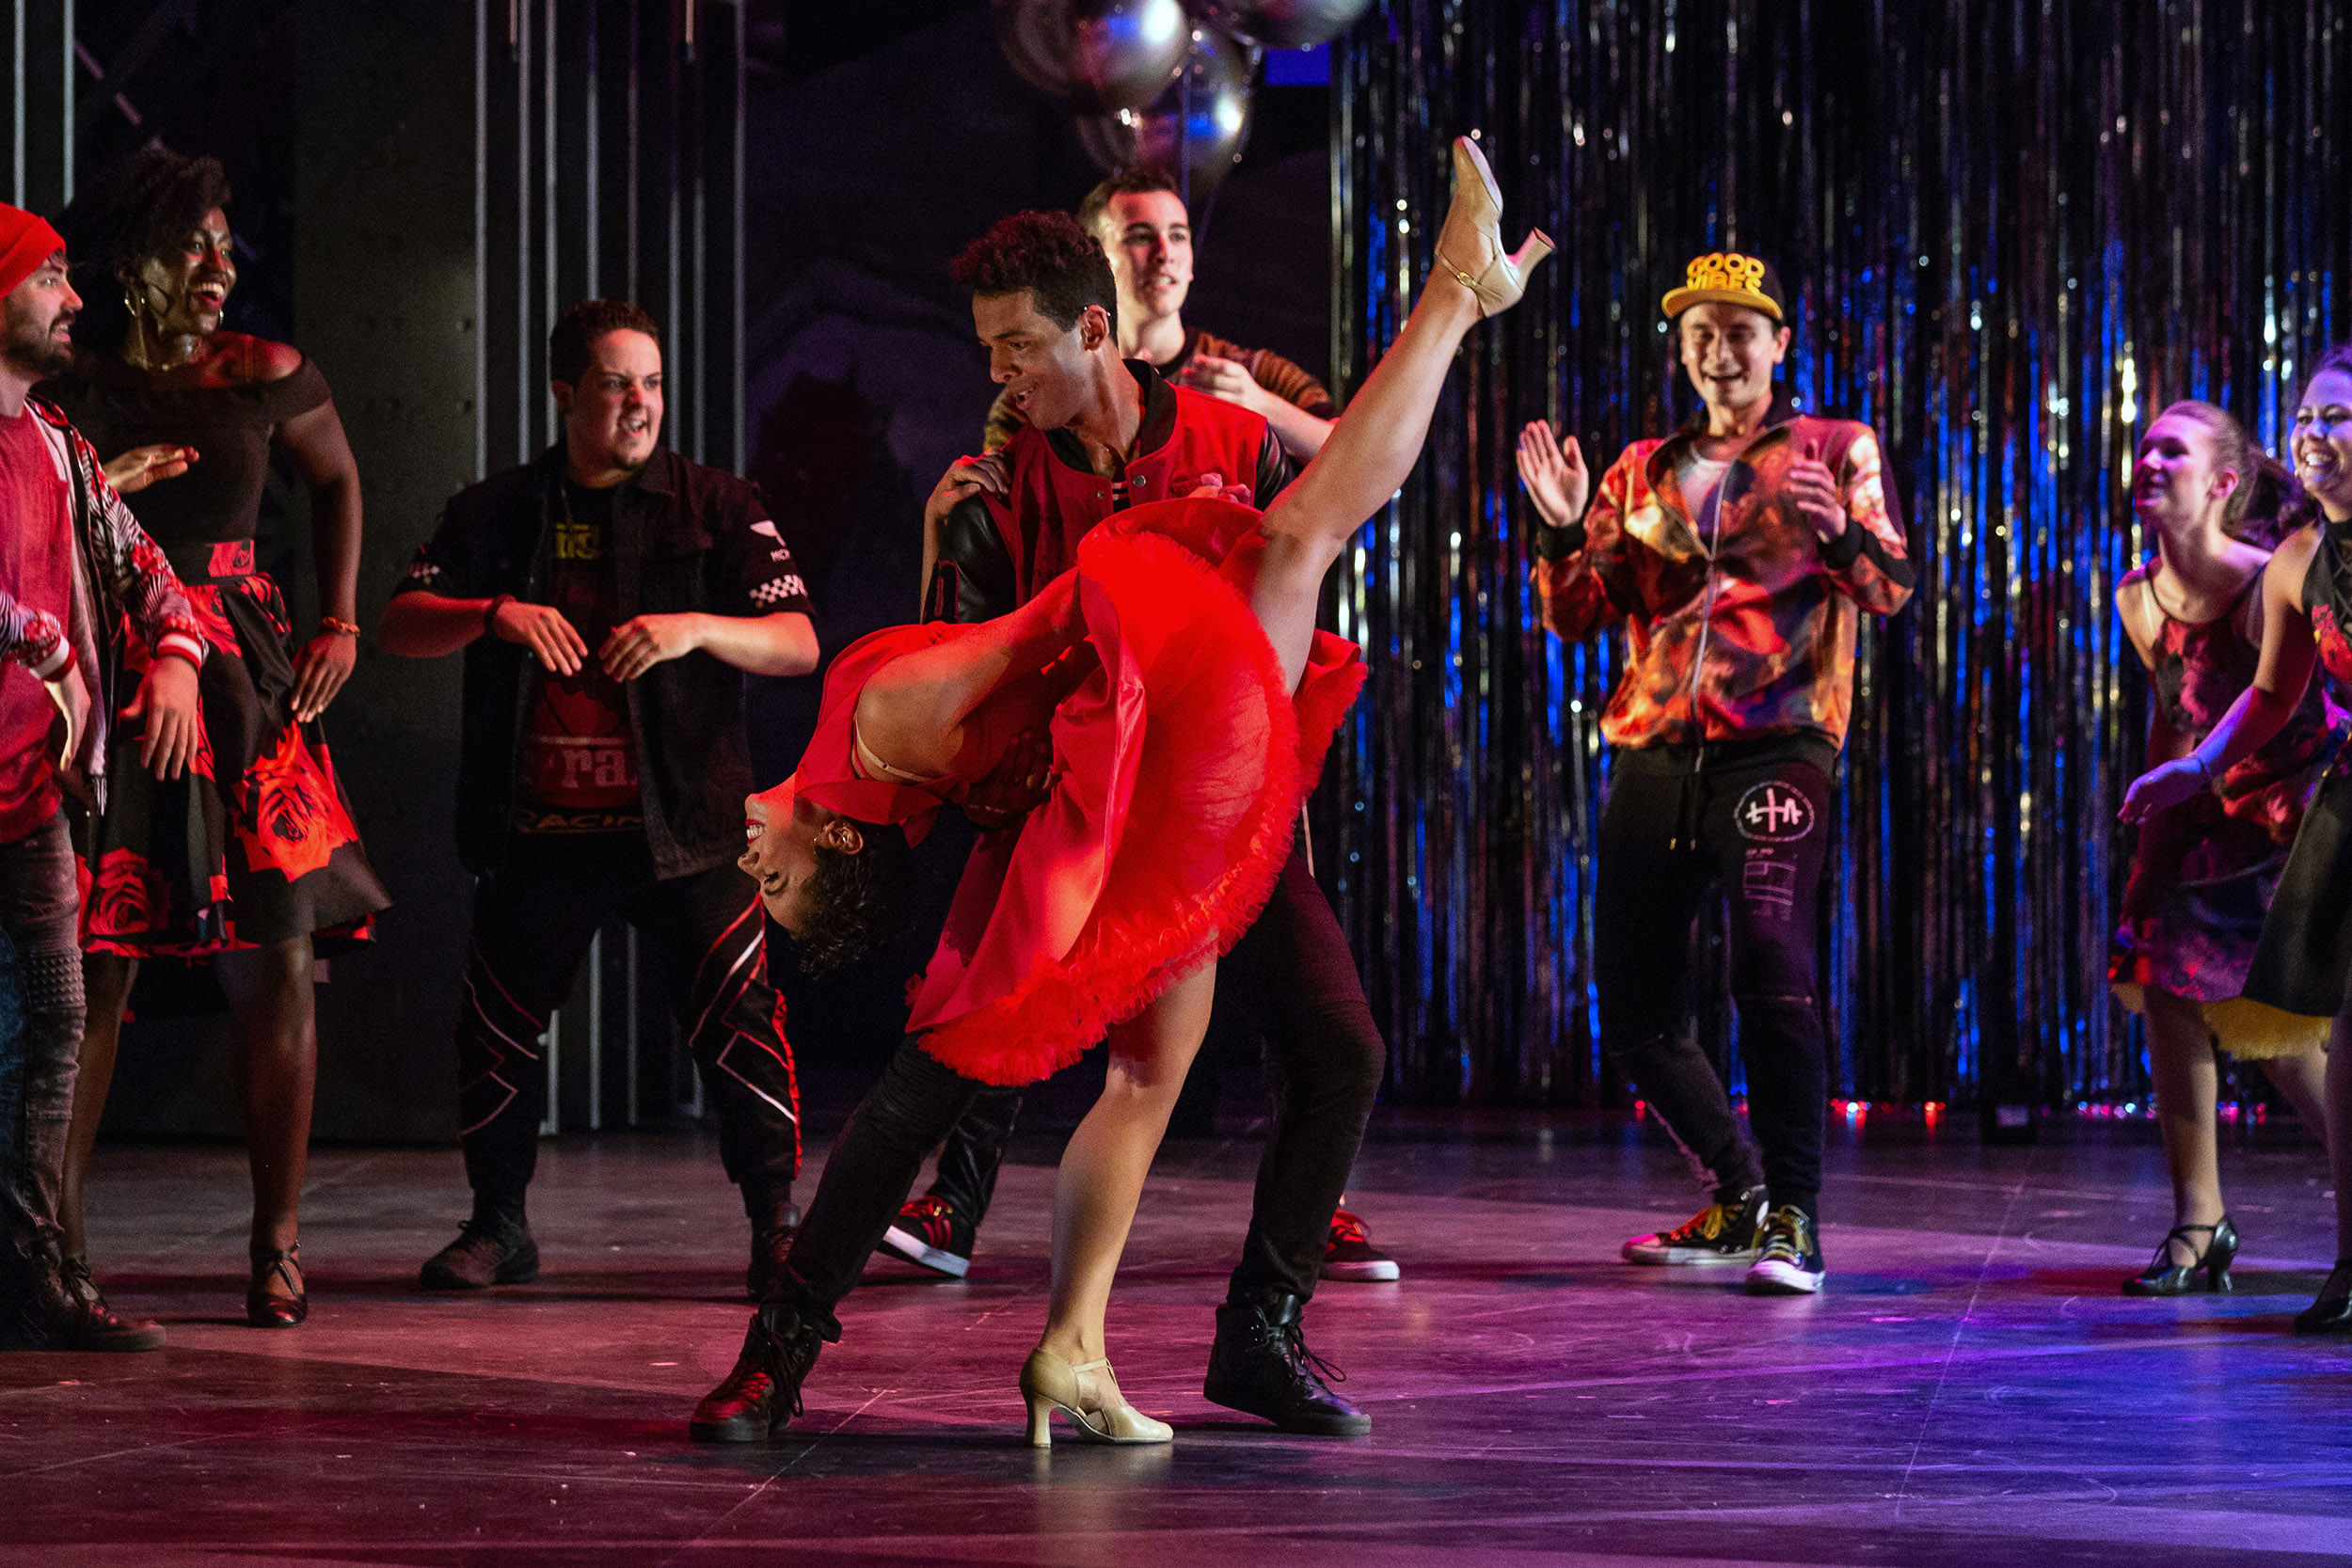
(264, 1310)
(2164, 1277)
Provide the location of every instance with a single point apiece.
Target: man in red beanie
(61, 596)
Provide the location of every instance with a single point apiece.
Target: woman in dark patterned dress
(2206, 869)
(2304, 959)
(252, 863)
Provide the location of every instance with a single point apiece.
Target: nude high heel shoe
(1470, 244)
(1090, 1396)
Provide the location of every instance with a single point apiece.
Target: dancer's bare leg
(1378, 440)
(107, 981)
(2339, 1127)
(2302, 1083)
(1372, 448)
(271, 996)
(2187, 1084)
(1101, 1180)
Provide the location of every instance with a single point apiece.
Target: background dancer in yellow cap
(1738, 554)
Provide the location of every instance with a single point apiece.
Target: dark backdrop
(2015, 230)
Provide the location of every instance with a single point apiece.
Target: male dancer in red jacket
(74, 564)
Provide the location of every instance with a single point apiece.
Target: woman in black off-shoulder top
(252, 863)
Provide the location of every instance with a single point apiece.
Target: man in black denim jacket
(610, 596)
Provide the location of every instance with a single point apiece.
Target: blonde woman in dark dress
(252, 863)
(2208, 866)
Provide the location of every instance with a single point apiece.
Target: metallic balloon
(1197, 126)
(1096, 55)
(1280, 24)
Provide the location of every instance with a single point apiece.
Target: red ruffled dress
(1181, 764)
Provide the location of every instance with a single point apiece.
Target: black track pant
(533, 922)
(1669, 838)
(1293, 973)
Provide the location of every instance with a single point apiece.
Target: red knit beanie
(26, 241)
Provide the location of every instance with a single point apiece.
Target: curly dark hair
(1137, 181)
(147, 205)
(142, 207)
(579, 327)
(1059, 263)
(859, 903)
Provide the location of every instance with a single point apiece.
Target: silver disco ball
(1281, 24)
(1095, 56)
(1198, 125)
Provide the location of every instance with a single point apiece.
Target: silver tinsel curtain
(2014, 231)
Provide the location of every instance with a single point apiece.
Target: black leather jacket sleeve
(968, 541)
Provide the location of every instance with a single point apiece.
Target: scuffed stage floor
(1970, 1391)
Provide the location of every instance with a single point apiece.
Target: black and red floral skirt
(255, 845)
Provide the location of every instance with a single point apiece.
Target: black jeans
(533, 922)
(1292, 972)
(1669, 837)
(40, 913)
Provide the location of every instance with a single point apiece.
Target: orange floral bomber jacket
(1741, 621)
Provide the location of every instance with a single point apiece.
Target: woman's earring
(138, 345)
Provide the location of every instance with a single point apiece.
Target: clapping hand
(1814, 489)
(1221, 378)
(1554, 475)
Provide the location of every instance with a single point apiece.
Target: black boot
(494, 1248)
(759, 1397)
(771, 1238)
(42, 1312)
(1261, 1365)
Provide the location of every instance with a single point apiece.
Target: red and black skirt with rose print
(255, 844)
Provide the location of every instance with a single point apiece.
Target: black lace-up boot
(1261, 1366)
(760, 1396)
(493, 1248)
(773, 1226)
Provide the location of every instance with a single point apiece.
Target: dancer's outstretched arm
(1379, 440)
(911, 712)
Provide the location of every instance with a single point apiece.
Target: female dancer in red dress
(2303, 962)
(2206, 870)
(1190, 697)
(253, 862)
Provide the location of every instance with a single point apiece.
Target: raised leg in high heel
(1470, 244)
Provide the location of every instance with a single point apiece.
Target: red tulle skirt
(1183, 763)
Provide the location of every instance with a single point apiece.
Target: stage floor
(1970, 1389)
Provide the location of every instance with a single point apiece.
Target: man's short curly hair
(147, 205)
(579, 327)
(1061, 265)
(1141, 179)
(859, 903)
